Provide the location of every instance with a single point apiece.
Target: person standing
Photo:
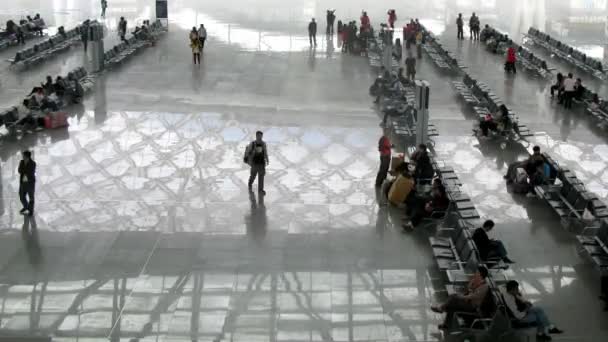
(331, 17)
(104, 5)
(384, 147)
(122, 28)
(84, 34)
(256, 155)
(27, 183)
(460, 24)
(569, 89)
(392, 18)
(312, 32)
(410, 67)
(511, 59)
(202, 36)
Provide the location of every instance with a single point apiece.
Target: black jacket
(482, 241)
(424, 168)
(27, 169)
(312, 27)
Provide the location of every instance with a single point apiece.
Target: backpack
(247, 153)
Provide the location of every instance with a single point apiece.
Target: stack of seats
(568, 53)
(41, 52)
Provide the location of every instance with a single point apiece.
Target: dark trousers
(258, 170)
(487, 126)
(454, 304)
(330, 28)
(26, 191)
(510, 66)
(497, 249)
(460, 33)
(568, 95)
(312, 37)
(385, 162)
(20, 38)
(419, 213)
(559, 91)
(196, 58)
(202, 40)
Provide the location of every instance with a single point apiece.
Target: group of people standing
(474, 26)
(568, 89)
(197, 42)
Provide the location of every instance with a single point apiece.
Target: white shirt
(202, 32)
(569, 84)
(511, 303)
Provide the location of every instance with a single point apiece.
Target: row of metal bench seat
(567, 53)
(593, 244)
(568, 197)
(483, 101)
(8, 40)
(9, 116)
(124, 50)
(443, 58)
(42, 51)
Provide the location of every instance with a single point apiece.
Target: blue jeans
(537, 315)
(497, 249)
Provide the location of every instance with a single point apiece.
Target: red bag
(56, 120)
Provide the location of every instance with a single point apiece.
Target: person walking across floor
(27, 182)
(84, 34)
(392, 18)
(256, 156)
(312, 32)
(460, 25)
(202, 36)
(410, 66)
(384, 147)
(569, 89)
(104, 5)
(511, 59)
(195, 44)
(331, 17)
(122, 28)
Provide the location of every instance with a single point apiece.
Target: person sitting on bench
(579, 89)
(524, 312)
(439, 202)
(528, 164)
(489, 248)
(485, 33)
(499, 122)
(559, 86)
(469, 302)
(424, 169)
(59, 86)
(402, 186)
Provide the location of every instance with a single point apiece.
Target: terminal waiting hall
(291, 171)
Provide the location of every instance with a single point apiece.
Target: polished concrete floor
(145, 231)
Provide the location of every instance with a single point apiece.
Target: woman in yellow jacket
(401, 188)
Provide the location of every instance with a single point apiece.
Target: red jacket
(384, 146)
(511, 55)
(365, 24)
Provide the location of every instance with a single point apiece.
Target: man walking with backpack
(256, 156)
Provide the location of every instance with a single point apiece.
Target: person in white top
(523, 311)
(202, 35)
(569, 88)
